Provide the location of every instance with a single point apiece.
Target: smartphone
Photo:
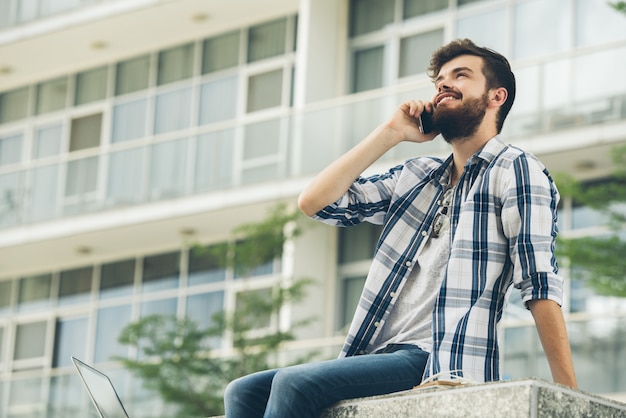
(425, 122)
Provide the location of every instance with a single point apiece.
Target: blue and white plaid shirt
(503, 230)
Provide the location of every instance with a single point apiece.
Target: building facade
(132, 129)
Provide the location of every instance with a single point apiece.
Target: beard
(460, 122)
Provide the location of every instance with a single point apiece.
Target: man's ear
(498, 96)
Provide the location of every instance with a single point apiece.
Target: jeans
(305, 390)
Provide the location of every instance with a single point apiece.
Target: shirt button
(362, 352)
(424, 233)
(392, 294)
(408, 264)
(376, 324)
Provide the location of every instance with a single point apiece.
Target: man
(457, 234)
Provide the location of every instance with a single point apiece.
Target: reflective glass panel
(262, 139)
(221, 52)
(173, 110)
(5, 297)
(51, 95)
(206, 266)
(47, 141)
(161, 272)
(126, 174)
(541, 27)
(91, 85)
(265, 90)
(415, 52)
(267, 40)
(604, 65)
(13, 105)
(132, 75)
(82, 176)
(111, 321)
(117, 279)
(175, 64)
(11, 198)
(351, 288)
(129, 120)
(597, 22)
(414, 8)
(75, 286)
(218, 100)
(30, 340)
(10, 149)
(214, 160)
(368, 69)
(68, 398)
(85, 132)
(44, 193)
(167, 173)
(201, 308)
(370, 15)
(70, 339)
(166, 307)
(358, 242)
(480, 28)
(34, 292)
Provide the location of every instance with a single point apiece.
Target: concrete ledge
(528, 398)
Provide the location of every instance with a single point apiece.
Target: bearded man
(457, 235)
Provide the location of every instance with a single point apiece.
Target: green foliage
(600, 260)
(175, 356)
(620, 6)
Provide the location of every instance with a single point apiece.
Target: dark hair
(496, 69)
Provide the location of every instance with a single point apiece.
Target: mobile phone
(425, 122)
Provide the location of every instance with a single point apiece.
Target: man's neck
(464, 148)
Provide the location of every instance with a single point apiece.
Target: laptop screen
(101, 391)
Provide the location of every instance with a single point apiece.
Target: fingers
(414, 108)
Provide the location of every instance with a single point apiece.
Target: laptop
(101, 391)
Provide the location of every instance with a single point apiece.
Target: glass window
(5, 298)
(49, 7)
(541, 27)
(68, 398)
(214, 160)
(351, 288)
(604, 65)
(30, 340)
(414, 8)
(6, 19)
(267, 40)
(592, 15)
(262, 268)
(75, 286)
(51, 95)
(91, 85)
(47, 141)
(34, 292)
(262, 139)
(27, 10)
(85, 132)
(126, 174)
(480, 28)
(358, 243)
(111, 321)
(368, 69)
(13, 105)
(117, 279)
(44, 193)
(165, 307)
(265, 90)
(70, 339)
(220, 52)
(243, 304)
(10, 149)
(370, 15)
(175, 64)
(205, 266)
(167, 173)
(11, 192)
(129, 120)
(26, 395)
(201, 308)
(132, 75)
(218, 100)
(173, 110)
(161, 272)
(415, 52)
(82, 176)
(556, 84)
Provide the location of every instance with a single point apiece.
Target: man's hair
(496, 69)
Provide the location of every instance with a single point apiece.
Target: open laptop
(101, 391)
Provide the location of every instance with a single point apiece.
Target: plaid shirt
(503, 230)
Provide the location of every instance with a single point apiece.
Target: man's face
(461, 99)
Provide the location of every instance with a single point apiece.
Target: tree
(600, 260)
(620, 6)
(175, 354)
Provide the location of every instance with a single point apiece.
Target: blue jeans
(305, 390)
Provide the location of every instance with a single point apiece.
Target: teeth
(447, 98)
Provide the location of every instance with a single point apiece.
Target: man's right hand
(405, 121)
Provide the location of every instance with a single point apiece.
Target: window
(13, 105)
(30, 340)
(214, 154)
(111, 321)
(202, 307)
(70, 340)
(173, 111)
(350, 293)
(218, 100)
(167, 173)
(221, 52)
(267, 40)
(368, 69)
(370, 15)
(47, 141)
(481, 27)
(415, 52)
(91, 85)
(51, 95)
(85, 132)
(175, 64)
(126, 176)
(553, 14)
(75, 286)
(591, 15)
(247, 304)
(10, 149)
(265, 90)
(206, 265)
(34, 292)
(129, 120)
(358, 242)
(82, 177)
(414, 8)
(44, 193)
(132, 75)
(117, 279)
(5, 298)
(161, 272)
